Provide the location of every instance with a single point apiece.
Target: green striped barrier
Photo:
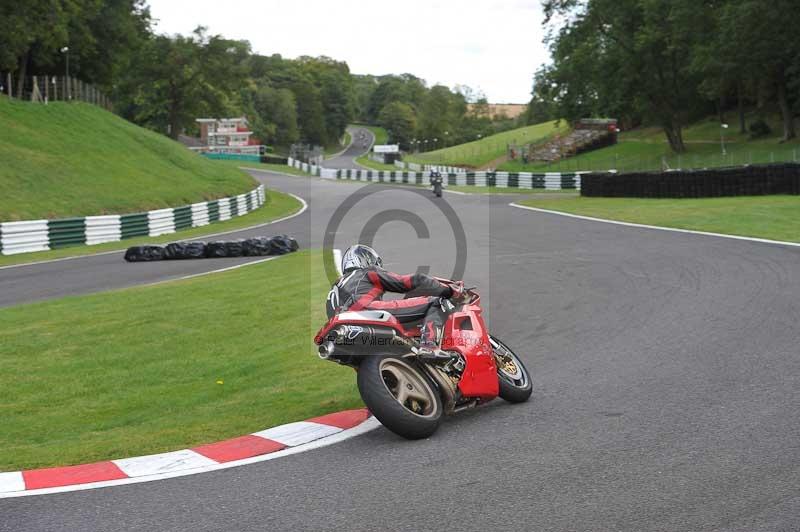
(518, 180)
(42, 235)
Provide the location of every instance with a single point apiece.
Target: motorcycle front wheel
(400, 395)
(514, 379)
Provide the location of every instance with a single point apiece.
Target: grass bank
(279, 168)
(278, 205)
(483, 151)
(381, 137)
(506, 190)
(646, 149)
(75, 159)
(346, 140)
(159, 368)
(373, 165)
(772, 217)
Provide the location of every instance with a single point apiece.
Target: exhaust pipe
(326, 350)
(351, 335)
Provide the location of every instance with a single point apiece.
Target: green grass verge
(330, 150)
(505, 190)
(346, 140)
(278, 205)
(381, 135)
(136, 371)
(364, 160)
(772, 217)
(486, 150)
(76, 159)
(279, 168)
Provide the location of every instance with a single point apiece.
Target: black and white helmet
(360, 256)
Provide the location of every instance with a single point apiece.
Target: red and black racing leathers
(362, 289)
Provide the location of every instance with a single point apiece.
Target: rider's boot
(433, 354)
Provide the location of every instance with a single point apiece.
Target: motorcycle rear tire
(374, 385)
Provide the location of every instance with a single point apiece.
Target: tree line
(421, 117)
(165, 82)
(671, 62)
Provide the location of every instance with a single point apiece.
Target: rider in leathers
(364, 281)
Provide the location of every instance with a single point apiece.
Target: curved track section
(357, 148)
(666, 394)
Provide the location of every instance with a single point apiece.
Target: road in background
(356, 149)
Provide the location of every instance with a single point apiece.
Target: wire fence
(738, 156)
(735, 155)
(44, 89)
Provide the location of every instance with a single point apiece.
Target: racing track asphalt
(666, 392)
(356, 148)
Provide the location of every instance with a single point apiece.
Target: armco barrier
(42, 235)
(755, 180)
(520, 180)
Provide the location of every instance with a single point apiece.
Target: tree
(543, 105)
(273, 114)
(178, 79)
(399, 118)
(335, 92)
(102, 37)
(310, 112)
(441, 115)
(629, 57)
(766, 48)
(105, 39)
(404, 88)
(32, 32)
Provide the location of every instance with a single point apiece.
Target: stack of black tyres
(252, 247)
(751, 180)
(144, 253)
(185, 250)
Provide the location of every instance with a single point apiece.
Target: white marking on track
(658, 228)
(229, 268)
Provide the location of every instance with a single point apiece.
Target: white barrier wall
(42, 235)
(100, 229)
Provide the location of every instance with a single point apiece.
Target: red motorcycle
(409, 394)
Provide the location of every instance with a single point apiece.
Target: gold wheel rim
(408, 387)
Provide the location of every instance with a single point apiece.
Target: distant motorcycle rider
(364, 281)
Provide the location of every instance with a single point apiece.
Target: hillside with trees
(164, 82)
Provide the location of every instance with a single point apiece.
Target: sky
(489, 45)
